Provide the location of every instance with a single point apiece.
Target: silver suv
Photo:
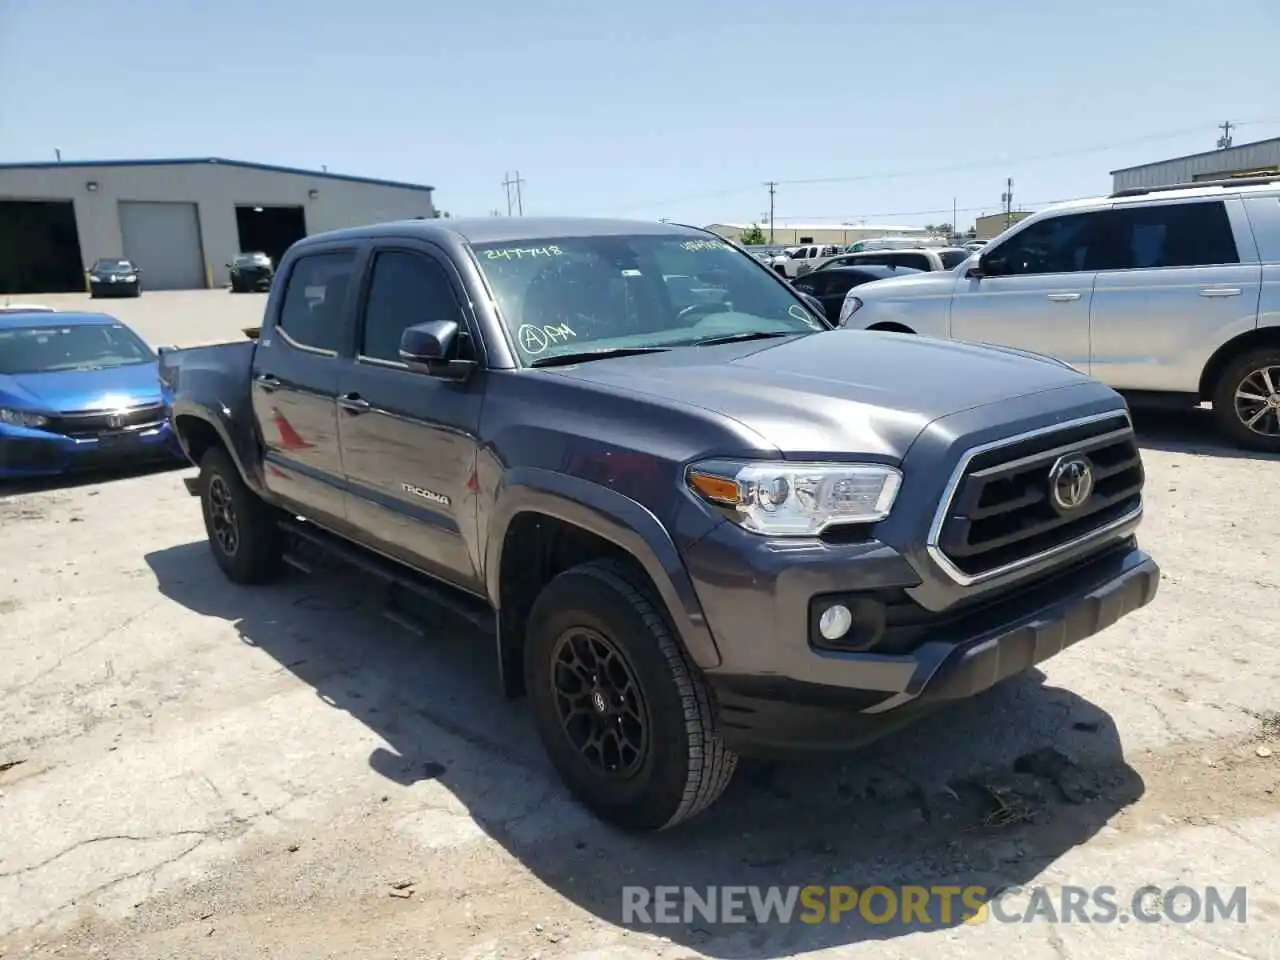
(1171, 295)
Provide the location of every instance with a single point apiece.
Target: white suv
(1170, 295)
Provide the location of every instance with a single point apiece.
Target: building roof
(1203, 153)
(789, 225)
(191, 161)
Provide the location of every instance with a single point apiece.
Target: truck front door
(295, 385)
(409, 440)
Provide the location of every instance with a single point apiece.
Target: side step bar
(474, 611)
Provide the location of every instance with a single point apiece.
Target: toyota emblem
(1071, 482)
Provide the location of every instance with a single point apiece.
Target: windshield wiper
(584, 356)
(741, 337)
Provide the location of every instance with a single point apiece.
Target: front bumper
(782, 694)
(37, 453)
(258, 280)
(105, 288)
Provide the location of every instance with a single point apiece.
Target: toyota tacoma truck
(694, 528)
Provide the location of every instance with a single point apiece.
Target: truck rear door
(295, 383)
(409, 440)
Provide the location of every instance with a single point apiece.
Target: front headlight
(850, 306)
(129, 279)
(21, 418)
(797, 499)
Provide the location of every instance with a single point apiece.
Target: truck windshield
(569, 294)
(77, 347)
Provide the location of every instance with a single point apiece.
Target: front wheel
(1246, 400)
(243, 531)
(626, 719)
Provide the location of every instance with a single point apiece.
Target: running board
(395, 576)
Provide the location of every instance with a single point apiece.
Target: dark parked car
(77, 391)
(251, 271)
(693, 530)
(830, 284)
(115, 277)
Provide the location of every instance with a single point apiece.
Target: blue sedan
(77, 391)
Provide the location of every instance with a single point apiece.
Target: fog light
(835, 621)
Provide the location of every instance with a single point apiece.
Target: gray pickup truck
(695, 526)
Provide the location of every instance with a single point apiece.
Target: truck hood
(841, 393)
(72, 390)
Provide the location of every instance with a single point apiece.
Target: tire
(252, 554)
(1244, 373)
(682, 766)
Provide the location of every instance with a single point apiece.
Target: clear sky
(664, 108)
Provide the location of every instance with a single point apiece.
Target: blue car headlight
(22, 418)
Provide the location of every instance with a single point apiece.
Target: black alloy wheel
(601, 706)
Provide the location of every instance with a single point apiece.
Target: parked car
(115, 277)
(895, 243)
(1166, 294)
(801, 260)
(829, 284)
(694, 532)
(77, 391)
(920, 258)
(250, 272)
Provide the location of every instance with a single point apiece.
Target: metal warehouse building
(1248, 159)
(180, 221)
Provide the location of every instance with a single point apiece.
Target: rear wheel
(1246, 400)
(243, 531)
(626, 719)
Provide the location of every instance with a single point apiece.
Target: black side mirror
(432, 348)
(985, 267)
(814, 304)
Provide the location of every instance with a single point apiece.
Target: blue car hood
(67, 390)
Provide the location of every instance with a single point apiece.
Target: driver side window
(1065, 244)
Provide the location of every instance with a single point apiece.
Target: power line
(953, 168)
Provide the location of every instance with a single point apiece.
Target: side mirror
(986, 266)
(814, 304)
(165, 349)
(432, 348)
(227, 265)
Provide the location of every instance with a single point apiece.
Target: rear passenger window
(406, 289)
(1172, 235)
(917, 261)
(311, 315)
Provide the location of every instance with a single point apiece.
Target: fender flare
(221, 422)
(615, 518)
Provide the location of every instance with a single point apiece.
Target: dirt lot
(189, 769)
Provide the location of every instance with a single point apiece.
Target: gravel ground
(190, 769)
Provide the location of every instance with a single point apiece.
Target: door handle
(1220, 291)
(1063, 297)
(353, 403)
(267, 382)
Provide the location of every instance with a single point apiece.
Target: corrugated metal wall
(1248, 156)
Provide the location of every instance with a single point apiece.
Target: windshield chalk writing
(699, 245)
(534, 339)
(523, 253)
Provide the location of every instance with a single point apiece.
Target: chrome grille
(91, 423)
(1002, 511)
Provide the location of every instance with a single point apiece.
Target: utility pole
(954, 229)
(1007, 199)
(773, 188)
(516, 181)
(57, 153)
(507, 183)
(1224, 141)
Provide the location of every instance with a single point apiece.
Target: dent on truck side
(611, 516)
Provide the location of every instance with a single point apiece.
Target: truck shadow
(1188, 431)
(987, 793)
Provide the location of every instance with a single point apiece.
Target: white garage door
(163, 241)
